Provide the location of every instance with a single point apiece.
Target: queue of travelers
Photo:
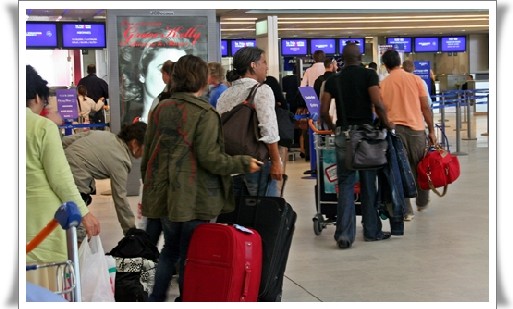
(188, 179)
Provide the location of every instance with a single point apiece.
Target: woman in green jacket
(186, 173)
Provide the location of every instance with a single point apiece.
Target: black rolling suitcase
(274, 219)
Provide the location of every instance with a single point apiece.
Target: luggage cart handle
(67, 215)
(317, 131)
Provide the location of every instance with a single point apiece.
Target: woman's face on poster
(153, 82)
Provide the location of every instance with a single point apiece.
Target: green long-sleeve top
(49, 183)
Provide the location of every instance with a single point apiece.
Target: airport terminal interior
(445, 254)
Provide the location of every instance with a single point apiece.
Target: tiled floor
(444, 255)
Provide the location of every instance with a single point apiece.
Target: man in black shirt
(96, 88)
(356, 93)
(330, 65)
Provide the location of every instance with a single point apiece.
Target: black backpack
(136, 262)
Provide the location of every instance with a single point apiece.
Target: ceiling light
(442, 20)
(385, 17)
(237, 23)
(371, 28)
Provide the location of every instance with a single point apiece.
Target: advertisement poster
(144, 44)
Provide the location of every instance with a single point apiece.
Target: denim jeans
(154, 229)
(415, 143)
(259, 181)
(176, 242)
(346, 217)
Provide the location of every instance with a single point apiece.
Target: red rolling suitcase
(223, 264)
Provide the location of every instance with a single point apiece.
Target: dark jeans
(415, 143)
(256, 184)
(154, 229)
(176, 242)
(346, 217)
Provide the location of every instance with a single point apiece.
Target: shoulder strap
(251, 95)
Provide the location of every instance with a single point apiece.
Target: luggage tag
(243, 229)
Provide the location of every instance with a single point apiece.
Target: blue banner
(312, 101)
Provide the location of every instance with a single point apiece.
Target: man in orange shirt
(406, 103)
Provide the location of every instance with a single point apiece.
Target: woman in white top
(87, 105)
(250, 64)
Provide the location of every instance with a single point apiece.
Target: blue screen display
(453, 44)
(404, 42)
(326, 45)
(41, 35)
(359, 41)
(238, 44)
(293, 47)
(224, 48)
(83, 35)
(426, 45)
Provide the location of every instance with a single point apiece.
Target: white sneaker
(409, 217)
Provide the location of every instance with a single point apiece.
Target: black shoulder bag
(366, 146)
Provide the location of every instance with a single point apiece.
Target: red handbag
(438, 168)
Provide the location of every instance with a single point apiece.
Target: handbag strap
(251, 96)
(430, 183)
(439, 148)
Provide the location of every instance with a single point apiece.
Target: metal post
(487, 116)
(462, 97)
(458, 127)
(442, 112)
(71, 238)
(68, 127)
(468, 116)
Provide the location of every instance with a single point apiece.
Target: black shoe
(302, 155)
(343, 243)
(384, 235)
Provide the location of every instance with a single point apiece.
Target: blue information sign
(67, 104)
(312, 101)
(422, 69)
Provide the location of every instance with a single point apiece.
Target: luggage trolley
(326, 188)
(67, 272)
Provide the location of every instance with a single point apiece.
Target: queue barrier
(460, 99)
(68, 126)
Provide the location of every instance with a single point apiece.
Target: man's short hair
(91, 69)
(328, 62)
(319, 55)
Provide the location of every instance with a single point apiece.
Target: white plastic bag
(94, 272)
(140, 220)
(111, 263)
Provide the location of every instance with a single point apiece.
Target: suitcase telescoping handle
(247, 276)
(67, 215)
